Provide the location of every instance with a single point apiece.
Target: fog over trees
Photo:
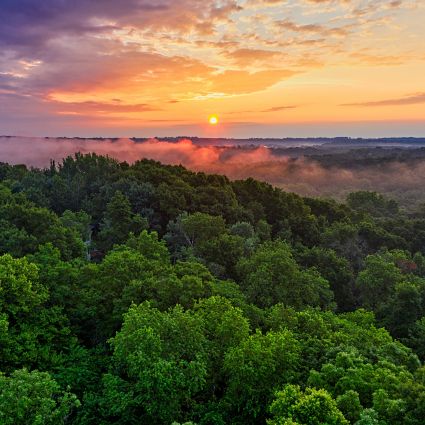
(320, 167)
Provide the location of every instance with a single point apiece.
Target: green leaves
(312, 407)
(377, 280)
(256, 367)
(162, 355)
(24, 226)
(33, 398)
(272, 276)
(19, 287)
(118, 222)
(32, 334)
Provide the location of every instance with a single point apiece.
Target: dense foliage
(152, 294)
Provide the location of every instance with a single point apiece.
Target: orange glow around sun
(213, 120)
(228, 68)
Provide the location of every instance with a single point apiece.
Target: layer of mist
(291, 170)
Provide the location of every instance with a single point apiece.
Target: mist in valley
(310, 170)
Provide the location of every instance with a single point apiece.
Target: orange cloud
(238, 82)
(254, 56)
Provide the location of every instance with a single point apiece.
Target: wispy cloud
(264, 111)
(279, 108)
(402, 101)
(252, 56)
(312, 28)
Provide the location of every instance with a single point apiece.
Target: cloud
(279, 108)
(374, 59)
(312, 28)
(88, 77)
(238, 82)
(402, 101)
(83, 108)
(267, 110)
(42, 21)
(252, 56)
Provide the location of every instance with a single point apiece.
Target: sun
(213, 120)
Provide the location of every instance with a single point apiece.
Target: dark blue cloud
(28, 25)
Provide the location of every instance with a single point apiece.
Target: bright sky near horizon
(265, 68)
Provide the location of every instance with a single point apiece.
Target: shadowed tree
(118, 222)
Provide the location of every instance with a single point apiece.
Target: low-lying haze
(314, 168)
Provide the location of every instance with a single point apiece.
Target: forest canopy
(147, 293)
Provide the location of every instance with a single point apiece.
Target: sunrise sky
(265, 68)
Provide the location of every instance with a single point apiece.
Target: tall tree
(118, 222)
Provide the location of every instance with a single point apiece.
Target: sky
(265, 68)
